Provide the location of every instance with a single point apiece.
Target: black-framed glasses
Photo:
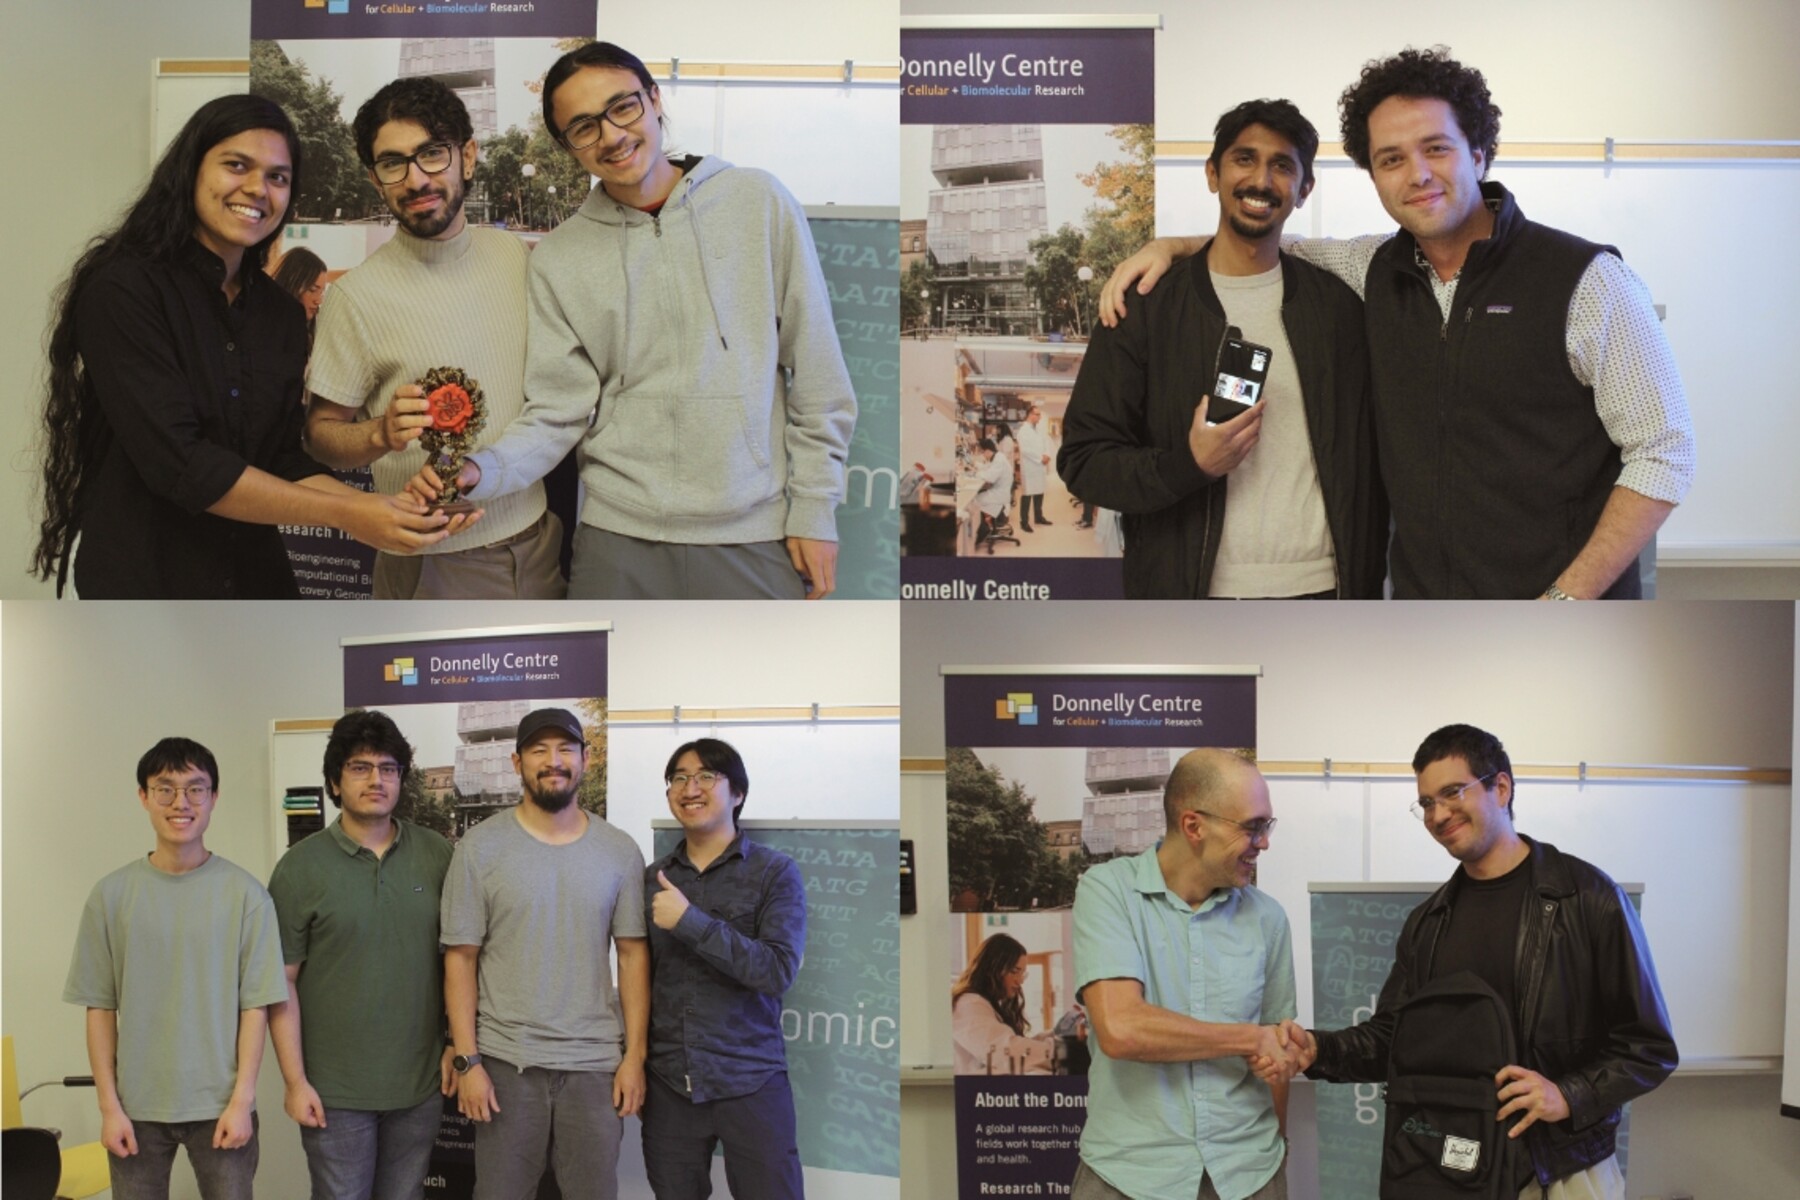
(621, 114)
(1424, 806)
(434, 158)
(164, 794)
(706, 779)
(1260, 827)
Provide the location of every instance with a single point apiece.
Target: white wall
(85, 689)
(1642, 684)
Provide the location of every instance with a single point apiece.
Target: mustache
(1255, 193)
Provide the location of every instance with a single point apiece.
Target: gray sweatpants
(566, 1116)
(612, 566)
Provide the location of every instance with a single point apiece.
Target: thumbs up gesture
(668, 904)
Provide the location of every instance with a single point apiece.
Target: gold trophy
(458, 413)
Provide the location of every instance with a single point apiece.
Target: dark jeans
(762, 1161)
(222, 1174)
(370, 1155)
(566, 1116)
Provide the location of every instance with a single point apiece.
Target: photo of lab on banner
(1027, 173)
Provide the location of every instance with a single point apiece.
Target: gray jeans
(566, 1117)
(1089, 1186)
(222, 1174)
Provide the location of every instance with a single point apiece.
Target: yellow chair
(85, 1169)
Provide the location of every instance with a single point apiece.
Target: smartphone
(1243, 368)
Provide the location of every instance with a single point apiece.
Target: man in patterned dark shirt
(728, 930)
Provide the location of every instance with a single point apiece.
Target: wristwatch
(463, 1062)
(1555, 593)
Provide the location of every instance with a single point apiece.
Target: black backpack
(1450, 1039)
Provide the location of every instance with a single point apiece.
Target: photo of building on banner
(458, 700)
(321, 63)
(1057, 782)
(1027, 174)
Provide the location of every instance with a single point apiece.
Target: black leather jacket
(1590, 1016)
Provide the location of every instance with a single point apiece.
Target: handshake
(1282, 1051)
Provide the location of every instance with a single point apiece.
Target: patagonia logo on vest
(1499, 309)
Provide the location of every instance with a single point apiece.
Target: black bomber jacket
(1590, 1016)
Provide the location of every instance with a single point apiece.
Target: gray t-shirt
(178, 957)
(542, 915)
(1276, 541)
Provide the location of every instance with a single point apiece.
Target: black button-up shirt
(717, 978)
(192, 390)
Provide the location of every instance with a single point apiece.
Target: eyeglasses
(358, 768)
(164, 794)
(621, 114)
(433, 159)
(1259, 828)
(1424, 806)
(705, 779)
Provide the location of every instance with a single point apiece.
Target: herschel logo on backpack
(1450, 1039)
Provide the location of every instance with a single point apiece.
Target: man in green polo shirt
(1184, 969)
(360, 1040)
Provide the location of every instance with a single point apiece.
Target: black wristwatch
(463, 1062)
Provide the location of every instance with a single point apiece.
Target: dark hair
(1478, 748)
(174, 754)
(998, 955)
(1427, 75)
(298, 270)
(594, 54)
(158, 226)
(988, 444)
(373, 731)
(426, 102)
(1278, 115)
(717, 756)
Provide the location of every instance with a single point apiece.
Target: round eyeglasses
(1259, 828)
(622, 113)
(434, 158)
(194, 793)
(705, 779)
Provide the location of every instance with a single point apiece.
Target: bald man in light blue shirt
(1184, 969)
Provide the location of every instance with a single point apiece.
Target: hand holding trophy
(458, 413)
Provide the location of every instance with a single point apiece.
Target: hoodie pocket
(692, 456)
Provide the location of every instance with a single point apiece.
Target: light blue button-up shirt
(1153, 1128)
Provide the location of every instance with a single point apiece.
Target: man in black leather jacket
(1555, 936)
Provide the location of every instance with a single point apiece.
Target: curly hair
(426, 102)
(363, 730)
(1424, 74)
(985, 976)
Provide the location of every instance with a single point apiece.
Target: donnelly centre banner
(458, 696)
(1049, 771)
(1027, 173)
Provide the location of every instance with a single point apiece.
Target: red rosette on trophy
(458, 413)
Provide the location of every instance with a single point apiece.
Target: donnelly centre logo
(404, 671)
(1016, 706)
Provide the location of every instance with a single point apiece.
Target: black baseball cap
(540, 719)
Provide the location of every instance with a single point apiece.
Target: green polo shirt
(371, 987)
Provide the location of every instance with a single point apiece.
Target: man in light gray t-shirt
(532, 898)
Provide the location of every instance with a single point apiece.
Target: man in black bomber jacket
(1307, 516)
(1560, 943)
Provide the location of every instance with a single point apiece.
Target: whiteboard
(1712, 859)
(1730, 320)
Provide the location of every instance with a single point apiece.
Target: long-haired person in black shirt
(171, 435)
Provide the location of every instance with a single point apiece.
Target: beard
(430, 225)
(1244, 228)
(551, 794)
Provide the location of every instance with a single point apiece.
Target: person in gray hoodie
(682, 332)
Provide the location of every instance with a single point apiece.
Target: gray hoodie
(694, 356)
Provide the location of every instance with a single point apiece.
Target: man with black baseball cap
(531, 899)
